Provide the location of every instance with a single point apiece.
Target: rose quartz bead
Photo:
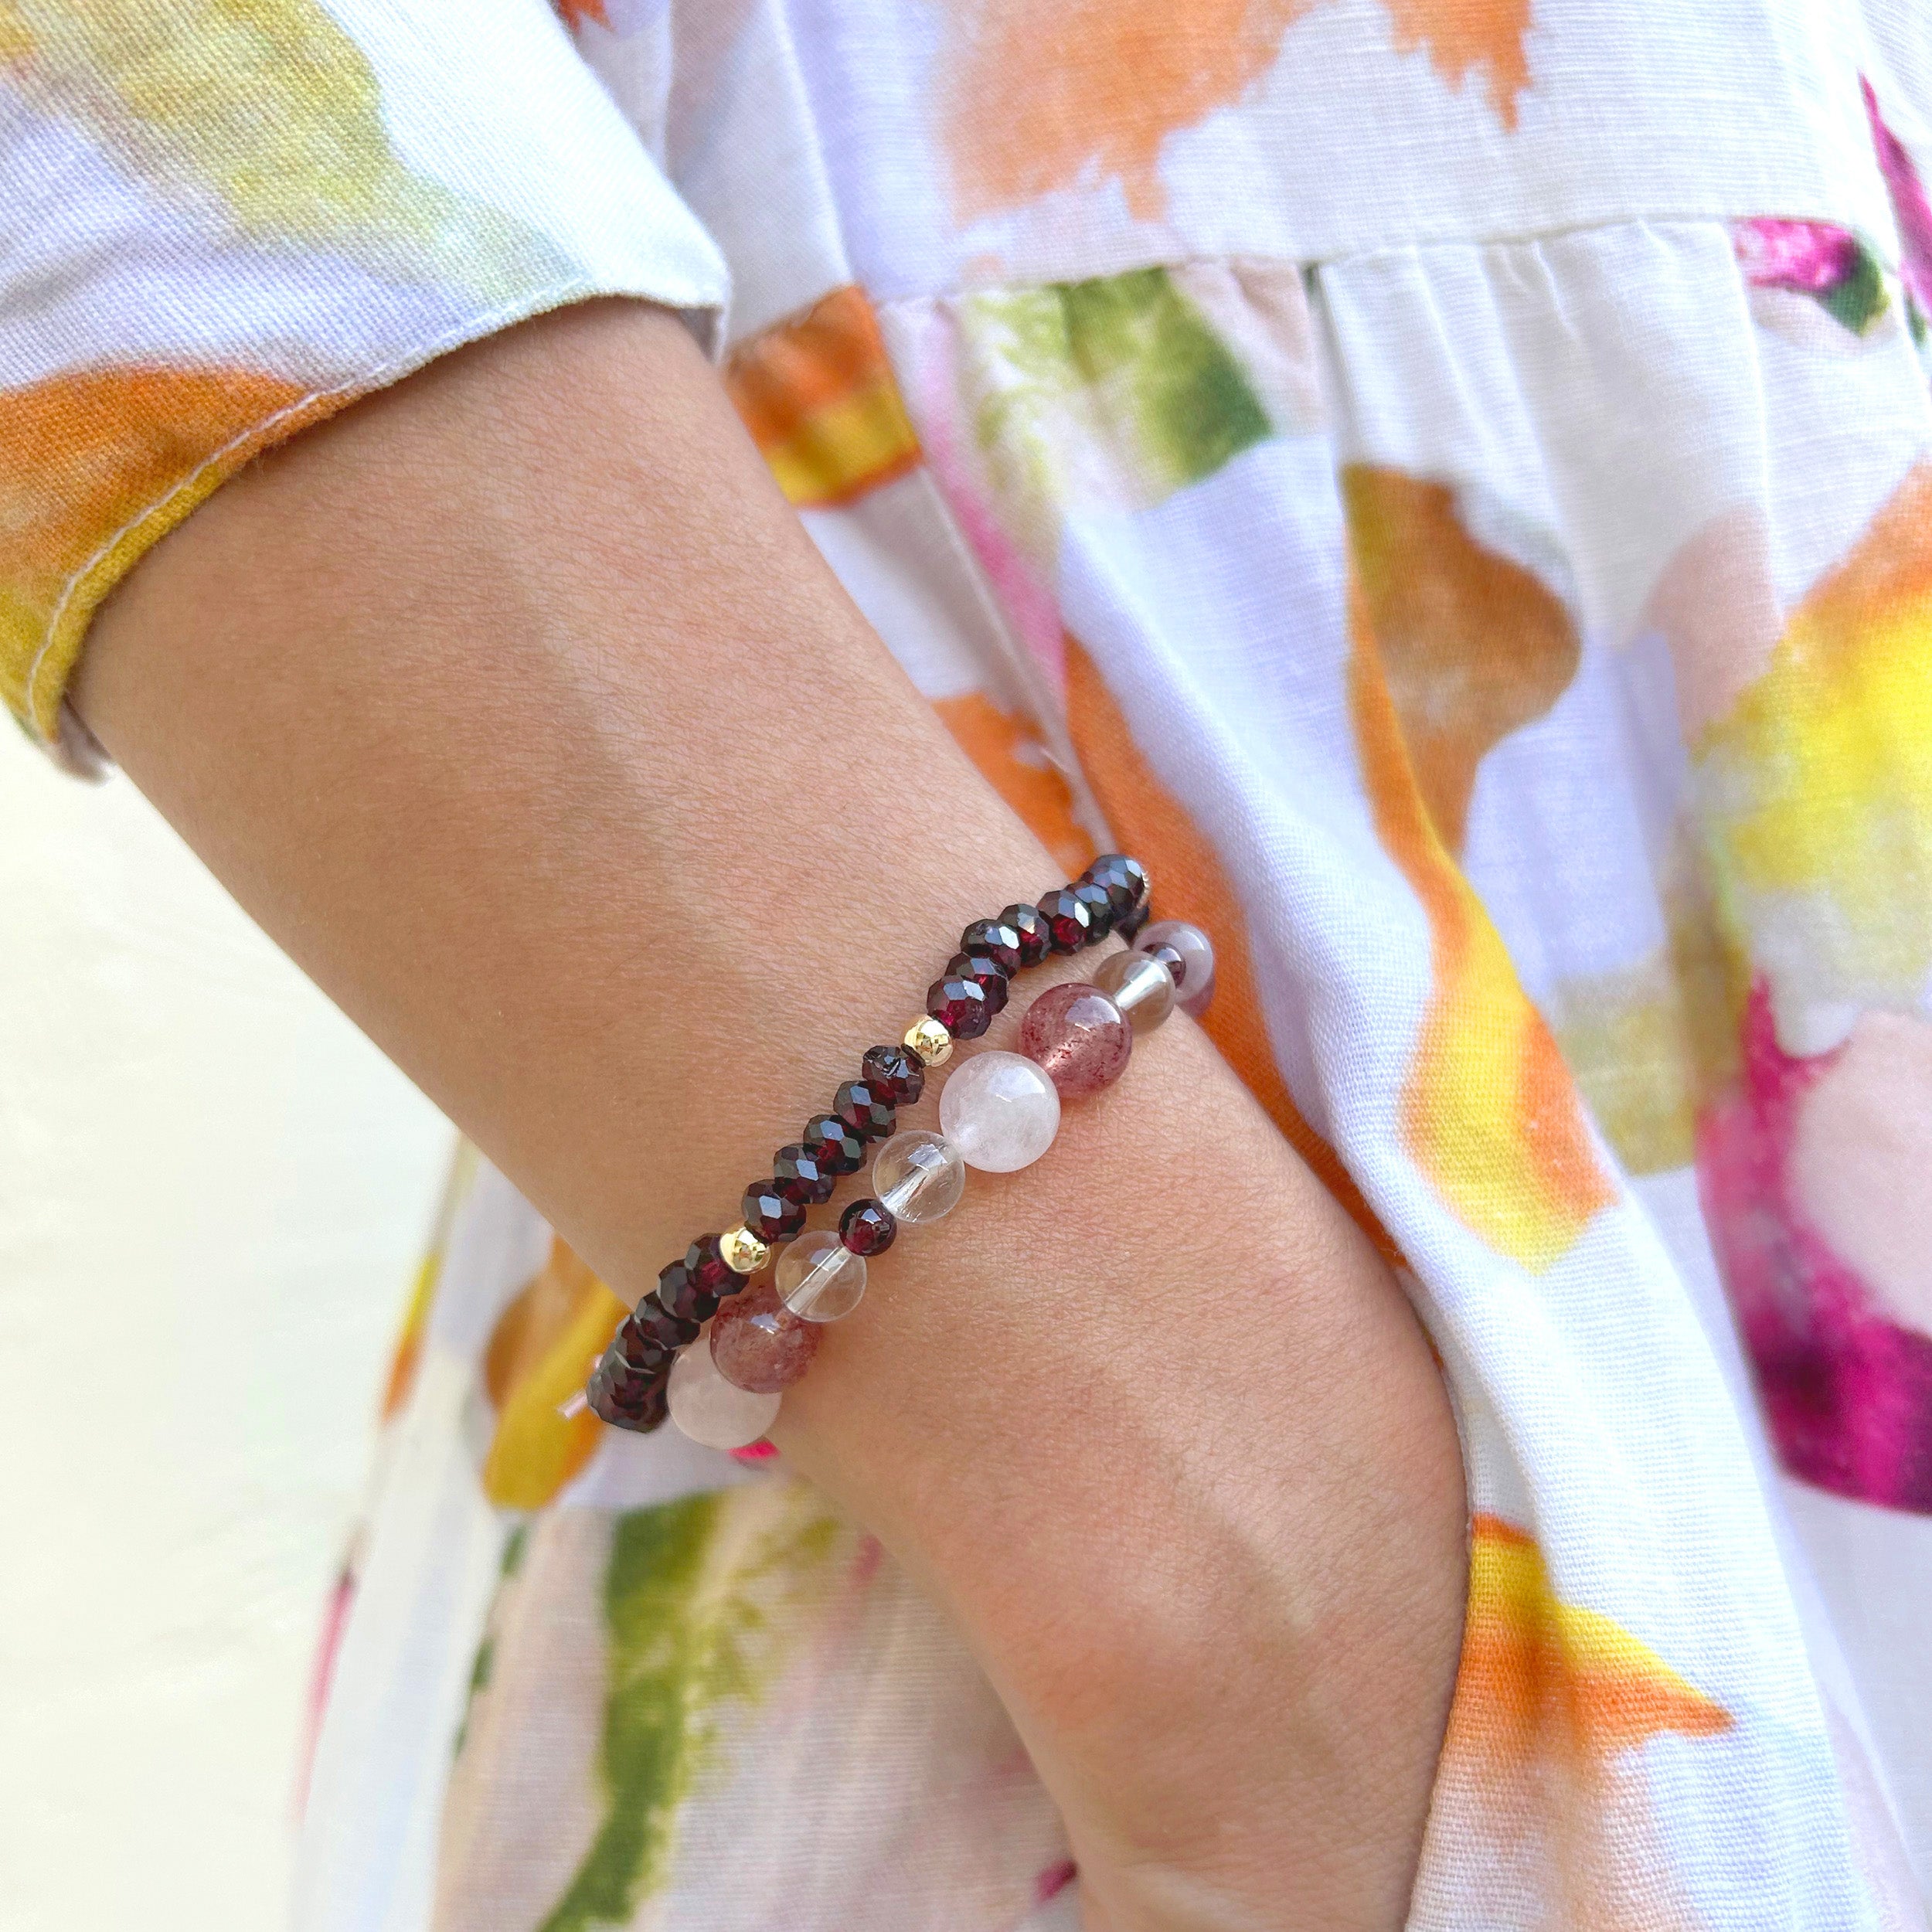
(713, 1411)
(1195, 980)
(1139, 985)
(1000, 1111)
(759, 1345)
(1078, 1036)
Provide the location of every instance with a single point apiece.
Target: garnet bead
(832, 1144)
(759, 1345)
(1026, 921)
(1069, 921)
(1100, 908)
(960, 1006)
(900, 1076)
(705, 1259)
(769, 1214)
(799, 1177)
(626, 1398)
(985, 972)
(996, 940)
(635, 1349)
(656, 1323)
(680, 1294)
(1170, 957)
(1128, 925)
(864, 1109)
(1125, 879)
(867, 1228)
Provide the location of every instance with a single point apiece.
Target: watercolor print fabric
(225, 221)
(1451, 487)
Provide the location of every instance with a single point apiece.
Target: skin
(517, 706)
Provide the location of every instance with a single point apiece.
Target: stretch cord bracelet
(998, 1111)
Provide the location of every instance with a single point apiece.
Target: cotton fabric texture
(1450, 487)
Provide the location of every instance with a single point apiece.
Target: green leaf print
(697, 1598)
(1859, 300)
(1116, 381)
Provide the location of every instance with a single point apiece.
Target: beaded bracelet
(998, 1112)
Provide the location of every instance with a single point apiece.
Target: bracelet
(998, 1112)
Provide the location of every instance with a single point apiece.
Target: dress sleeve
(221, 223)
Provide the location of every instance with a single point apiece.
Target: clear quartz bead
(711, 1410)
(1000, 1111)
(819, 1278)
(1195, 983)
(1141, 987)
(919, 1177)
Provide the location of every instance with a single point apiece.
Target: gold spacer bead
(743, 1250)
(930, 1040)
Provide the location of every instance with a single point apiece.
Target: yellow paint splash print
(1487, 1111)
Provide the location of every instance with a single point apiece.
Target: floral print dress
(1450, 485)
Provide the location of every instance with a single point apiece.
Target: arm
(517, 706)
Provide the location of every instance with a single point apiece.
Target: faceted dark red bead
(627, 1398)
(985, 972)
(1125, 879)
(897, 1072)
(769, 1214)
(800, 1177)
(833, 1145)
(867, 1227)
(1128, 926)
(995, 940)
(960, 1006)
(1100, 908)
(1069, 922)
(705, 1259)
(646, 1353)
(864, 1109)
(1034, 939)
(654, 1321)
(680, 1293)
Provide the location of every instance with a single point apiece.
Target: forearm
(520, 709)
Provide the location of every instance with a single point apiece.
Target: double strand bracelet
(767, 1286)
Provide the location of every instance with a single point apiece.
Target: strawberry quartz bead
(1078, 1037)
(1025, 920)
(993, 939)
(864, 1109)
(867, 1228)
(769, 1214)
(833, 1145)
(960, 1006)
(1070, 923)
(759, 1345)
(898, 1073)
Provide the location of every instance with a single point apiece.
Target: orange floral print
(1488, 1111)
(96, 467)
(1191, 883)
(820, 399)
